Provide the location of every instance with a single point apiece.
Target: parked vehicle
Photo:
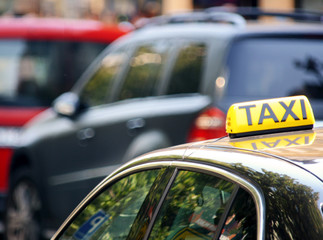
(250, 185)
(39, 60)
(167, 83)
(42, 58)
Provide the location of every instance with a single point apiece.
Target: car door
(77, 150)
(96, 141)
(176, 203)
(162, 89)
(132, 119)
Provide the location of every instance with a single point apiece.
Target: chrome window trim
(160, 163)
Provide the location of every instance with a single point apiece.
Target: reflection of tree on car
(118, 204)
(282, 190)
(194, 206)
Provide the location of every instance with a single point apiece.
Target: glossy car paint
(287, 196)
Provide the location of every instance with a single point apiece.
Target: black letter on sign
(303, 109)
(288, 111)
(248, 113)
(271, 114)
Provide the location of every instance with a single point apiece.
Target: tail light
(209, 124)
(5, 158)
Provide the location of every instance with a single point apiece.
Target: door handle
(136, 123)
(85, 134)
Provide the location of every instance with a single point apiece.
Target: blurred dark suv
(167, 83)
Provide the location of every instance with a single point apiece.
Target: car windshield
(275, 67)
(33, 73)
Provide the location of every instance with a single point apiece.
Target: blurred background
(112, 11)
(42, 58)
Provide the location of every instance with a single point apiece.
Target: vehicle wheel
(23, 210)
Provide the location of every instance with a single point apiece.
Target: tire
(22, 218)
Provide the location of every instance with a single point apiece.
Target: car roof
(308, 155)
(224, 30)
(284, 27)
(60, 29)
(225, 151)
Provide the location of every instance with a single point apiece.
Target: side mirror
(67, 104)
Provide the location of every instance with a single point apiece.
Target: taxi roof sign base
(278, 130)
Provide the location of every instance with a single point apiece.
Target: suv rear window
(276, 67)
(33, 73)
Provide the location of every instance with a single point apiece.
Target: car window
(194, 207)
(188, 68)
(145, 71)
(98, 88)
(34, 72)
(241, 222)
(276, 67)
(112, 213)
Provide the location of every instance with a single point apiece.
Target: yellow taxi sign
(269, 116)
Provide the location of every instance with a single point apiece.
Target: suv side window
(98, 88)
(112, 213)
(198, 207)
(188, 69)
(146, 68)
